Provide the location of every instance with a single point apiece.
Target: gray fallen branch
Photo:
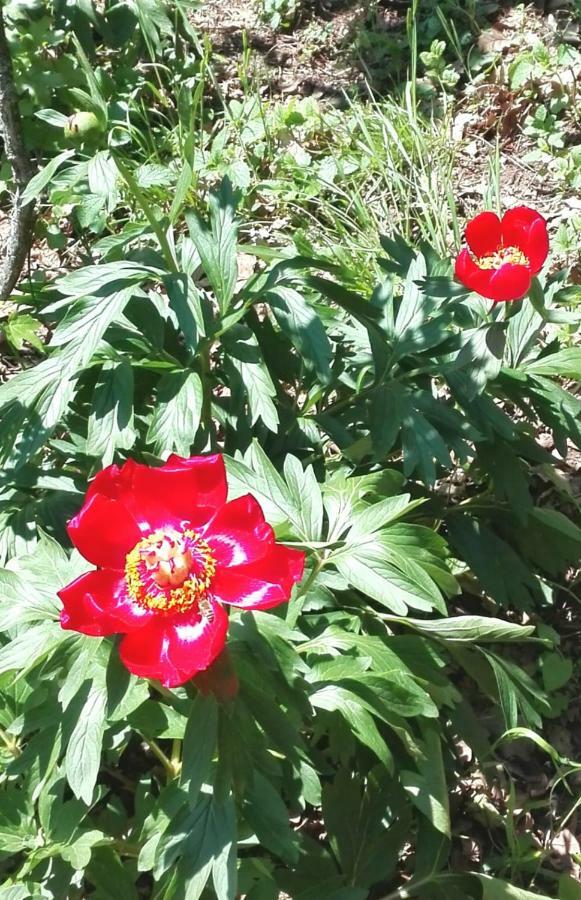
(19, 236)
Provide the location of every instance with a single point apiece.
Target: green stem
(296, 607)
(166, 763)
(156, 227)
(126, 849)
(176, 755)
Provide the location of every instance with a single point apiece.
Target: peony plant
(247, 533)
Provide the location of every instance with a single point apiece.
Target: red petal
(182, 490)
(526, 229)
(238, 533)
(172, 650)
(471, 275)
(104, 532)
(509, 283)
(262, 584)
(96, 603)
(483, 234)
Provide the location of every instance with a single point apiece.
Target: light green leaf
(199, 745)
(307, 497)
(256, 475)
(30, 646)
(335, 698)
(110, 425)
(481, 357)
(177, 412)
(245, 357)
(38, 182)
(369, 518)
(83, 754)
(22, 328)
(216, 243)
(472, 629)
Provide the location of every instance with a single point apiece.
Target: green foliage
(386, 421)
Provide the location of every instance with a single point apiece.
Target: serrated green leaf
(245, 357)
(335, 698)
(110, 425)
(304, 328)
(481, 356)
(83, 753)
(176, 415)
(38, 182)
(565, 363)
(217, 242)
(306, 495)
(21, 328)
(199, 744)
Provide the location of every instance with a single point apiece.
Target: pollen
(170, 571)
(503, 255)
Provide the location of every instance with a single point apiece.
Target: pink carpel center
(170, 571)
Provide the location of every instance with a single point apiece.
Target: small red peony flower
(505, 253)
(170, 551)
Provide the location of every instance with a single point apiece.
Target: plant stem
(176, 756)
(296, 607)
(164, 760)
(157, 229)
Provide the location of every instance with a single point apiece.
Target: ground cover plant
(288, 527)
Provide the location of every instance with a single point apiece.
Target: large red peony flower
(170, 552)
(505, 253)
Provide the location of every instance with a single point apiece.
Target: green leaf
(569, 889)
(556, 671)
(110, 426)
(386, 575)
(523, 330)
(501, 572)
(269, 818)
(181, 191)
(257, 475)
(30, 646)
(23, 328)
(45, 390)
(335, 698)
(306, 495)
(38, 182)
(199, 745)
(304, 329)
(427, 789)
(186, 304)
(176, 416)
(412, 309)
(83, 754)
(217, 242)
(481, 356)
(78, 852)
(471, 629)
(245, 357)
(495, 889)
(91, 280)
(566, 364)
(371, 517)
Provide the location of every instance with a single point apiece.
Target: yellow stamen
(170, 571)
(501, 256)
